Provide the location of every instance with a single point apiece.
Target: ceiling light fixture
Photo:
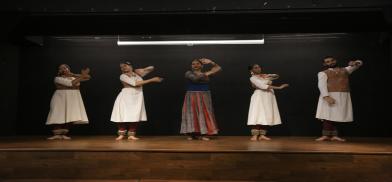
(191, 42)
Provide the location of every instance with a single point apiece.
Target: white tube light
(191, 42)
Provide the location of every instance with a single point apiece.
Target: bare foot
(55, 137)
(254, 138)
(204, 138)
(263, 137)
(189, 138)
(336, 138)
(323, 138)
(133, 138)
(65, 137)
(120, 137)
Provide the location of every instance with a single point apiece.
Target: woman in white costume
(66, 106)
(263, 110)
(129, 109)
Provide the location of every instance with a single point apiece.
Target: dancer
(66, 106)
(129, 109)
(263, 110)
(334, 103)
(198, 119)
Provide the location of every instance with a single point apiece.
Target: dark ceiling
(136, 17)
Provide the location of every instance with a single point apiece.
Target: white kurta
(342, 110)
(66, 106)
(129, 104)
(263, 108)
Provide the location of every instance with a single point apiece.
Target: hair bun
(127, 63)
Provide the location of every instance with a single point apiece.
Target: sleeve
(144, 71)
(63, 81)
(322, 84)
(273, 76)
(258, 83)
(129, 80)
(351, 69)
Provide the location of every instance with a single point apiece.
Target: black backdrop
(296, 60)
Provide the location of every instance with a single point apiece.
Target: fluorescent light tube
(191, 42)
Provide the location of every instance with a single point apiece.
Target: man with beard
(334, 103)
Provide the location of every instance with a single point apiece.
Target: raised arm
(215, 67)
(272, 76)
(144, 71)
(353, 65)
(151, 80)
(262, 85)
(131, 81)
(83, 76)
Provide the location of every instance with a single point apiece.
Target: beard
(332, 66)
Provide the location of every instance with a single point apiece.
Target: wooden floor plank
(180, 144)
(174, 159)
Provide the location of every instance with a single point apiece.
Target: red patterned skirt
(198, 114)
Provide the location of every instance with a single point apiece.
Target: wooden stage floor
(180, 144)
(175, 159)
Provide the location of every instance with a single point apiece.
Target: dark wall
(9, 63)
(297, 60)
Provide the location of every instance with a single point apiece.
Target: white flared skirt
(67, 106)
(129, 106)
(263, 109)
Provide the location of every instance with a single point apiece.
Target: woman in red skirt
(198, 119)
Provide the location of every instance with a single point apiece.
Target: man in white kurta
(334, 103)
